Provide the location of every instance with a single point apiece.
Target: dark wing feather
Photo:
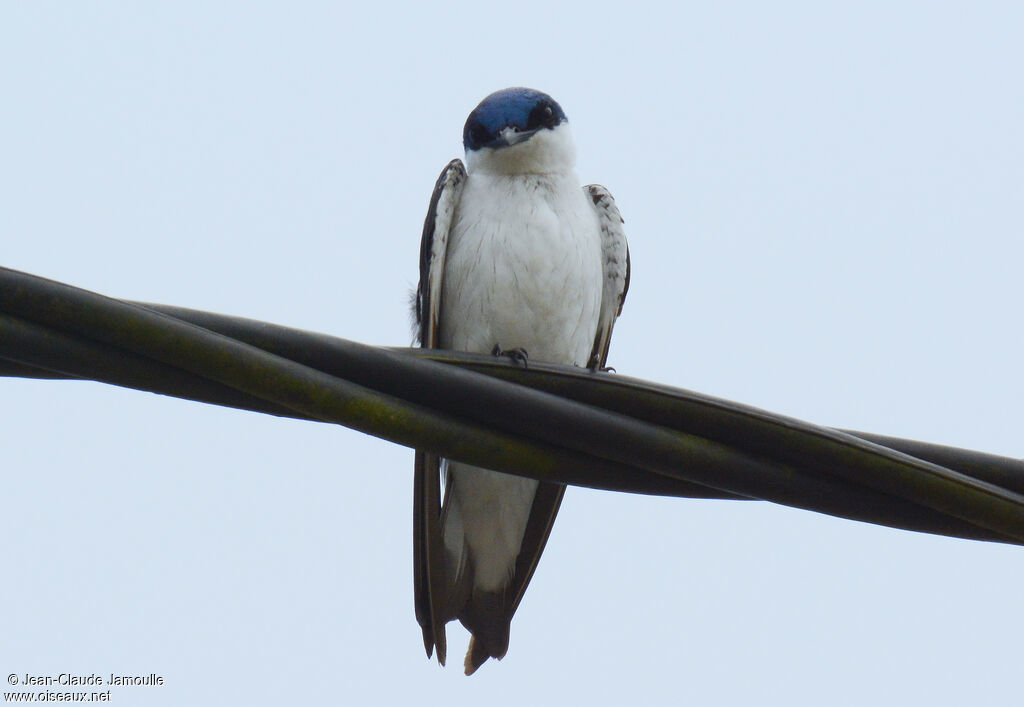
(433, 247)
(428, 546)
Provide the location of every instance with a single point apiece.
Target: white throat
(545, 152)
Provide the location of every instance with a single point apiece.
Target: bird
(516, 259)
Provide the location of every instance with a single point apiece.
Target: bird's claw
(518, 354)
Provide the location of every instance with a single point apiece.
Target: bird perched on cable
(515, 259)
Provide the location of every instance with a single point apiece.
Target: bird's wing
(433, 248)
(428, 546)
(615, 262)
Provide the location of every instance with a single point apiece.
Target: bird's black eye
(478, 135)
(541, 116)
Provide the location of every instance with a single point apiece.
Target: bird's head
(518, 131)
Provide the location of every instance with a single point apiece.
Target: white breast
(523, 268)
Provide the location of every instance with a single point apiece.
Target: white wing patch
(447, 193)
(615, 264)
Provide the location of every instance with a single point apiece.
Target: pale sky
(824, 214)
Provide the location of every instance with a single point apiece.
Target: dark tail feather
(428, 555)
(485, 615)
(476, 655)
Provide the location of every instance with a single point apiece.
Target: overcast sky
(824, 209)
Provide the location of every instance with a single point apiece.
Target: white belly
(523, 270)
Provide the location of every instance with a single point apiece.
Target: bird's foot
(518, 355)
